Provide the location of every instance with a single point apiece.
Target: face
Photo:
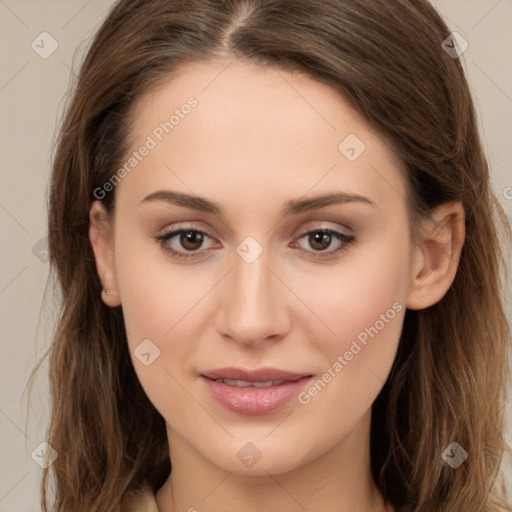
(300, 299)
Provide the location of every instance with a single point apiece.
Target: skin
(258, 138)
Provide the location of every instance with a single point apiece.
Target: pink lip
(252, 400)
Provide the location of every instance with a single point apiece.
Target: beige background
(32, 90)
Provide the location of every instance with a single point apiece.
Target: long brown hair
(386, 59)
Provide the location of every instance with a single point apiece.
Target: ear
(102, 240)
(436, 256)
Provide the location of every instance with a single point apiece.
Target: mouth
(247, 384)
(260, 375)
(254, 392)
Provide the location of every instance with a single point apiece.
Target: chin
(260, 457)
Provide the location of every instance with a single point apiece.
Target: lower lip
(254, 401)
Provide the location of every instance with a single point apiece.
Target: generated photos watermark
(355, 348)
(157, 135)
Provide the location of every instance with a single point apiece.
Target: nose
(254, 306)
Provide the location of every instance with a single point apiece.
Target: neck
(338, 481)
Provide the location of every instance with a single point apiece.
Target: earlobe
(436, 257)
(101, 237)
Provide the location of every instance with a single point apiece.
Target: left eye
(191, 240)
(321, 239)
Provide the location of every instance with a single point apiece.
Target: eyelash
(347, 240)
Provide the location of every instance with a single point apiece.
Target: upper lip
(257, 375)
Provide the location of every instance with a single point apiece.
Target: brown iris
(191, 240)
(319, 240)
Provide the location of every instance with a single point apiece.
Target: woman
(278, 251)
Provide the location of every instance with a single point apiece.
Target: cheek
(158, 300)
(364, 304)
(367, 289)
(157, 303)
(154, 292)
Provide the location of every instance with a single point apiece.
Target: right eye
(189, 239)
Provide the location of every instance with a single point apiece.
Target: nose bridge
(253, 308)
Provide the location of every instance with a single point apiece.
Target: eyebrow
(292, 207)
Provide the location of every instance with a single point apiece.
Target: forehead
(254, 127)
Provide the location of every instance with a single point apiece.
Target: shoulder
(142, 500)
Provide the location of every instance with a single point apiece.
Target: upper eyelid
(301, 231)
(296, 232)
